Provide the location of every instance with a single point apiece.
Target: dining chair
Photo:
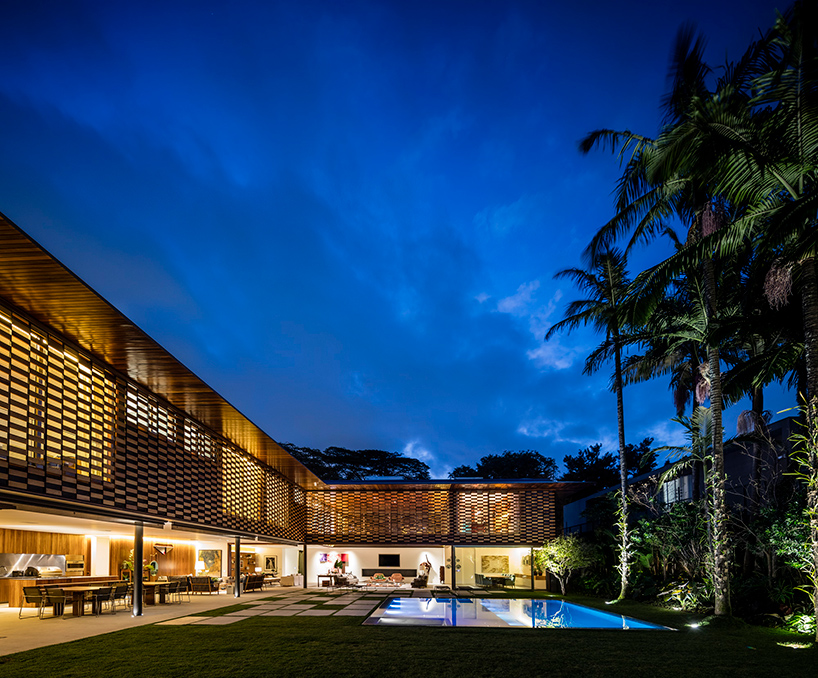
(54, 597)
(173, 592)
(120, 593)
(103, 596)
(32, 595)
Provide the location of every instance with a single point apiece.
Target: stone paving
(295, 603)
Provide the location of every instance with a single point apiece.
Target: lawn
(340, 646)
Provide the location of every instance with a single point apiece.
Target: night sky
(346, 216)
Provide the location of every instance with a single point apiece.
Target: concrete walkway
(17, 635)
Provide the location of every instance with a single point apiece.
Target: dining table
(78, 598)
(154, 590)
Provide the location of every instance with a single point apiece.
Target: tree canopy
(591, 465)
(339, 463)
(510, 465)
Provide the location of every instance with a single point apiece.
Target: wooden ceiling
(39, 285)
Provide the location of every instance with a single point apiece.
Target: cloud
(415, 450)
(564, 432)
(517, 304)
(550, 355)
(506, 218)
(554, 355)
(665, 433)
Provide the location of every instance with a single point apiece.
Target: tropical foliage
(563, 555)
(734, 167)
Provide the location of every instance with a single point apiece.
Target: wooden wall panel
(25, 541)
(180, 560)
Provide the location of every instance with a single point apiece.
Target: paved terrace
(17, 635)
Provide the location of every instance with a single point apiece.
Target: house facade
(110, 446)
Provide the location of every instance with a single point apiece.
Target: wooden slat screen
(71, 428)
(431, 516)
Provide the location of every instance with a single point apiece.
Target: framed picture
(494, 564)
(213, 562)
(271, 563)
(324, 558)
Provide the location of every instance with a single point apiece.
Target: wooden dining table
(151, 589)
(78, 594)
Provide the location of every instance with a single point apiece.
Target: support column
(138, 554)
(454, 568)
(305, 565)
(237, 568)
(532, 568)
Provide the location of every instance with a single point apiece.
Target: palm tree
(668, 176)
(606, 285)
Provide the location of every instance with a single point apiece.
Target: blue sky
(346, 217)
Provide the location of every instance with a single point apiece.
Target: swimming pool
(505, 612)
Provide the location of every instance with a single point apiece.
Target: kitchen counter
(11, 588)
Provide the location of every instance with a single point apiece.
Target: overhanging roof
(38, 284)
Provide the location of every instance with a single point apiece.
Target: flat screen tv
(388, 560)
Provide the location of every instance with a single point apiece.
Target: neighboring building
(752, 470)
(104, 434)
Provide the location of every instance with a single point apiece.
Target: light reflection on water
(501, 612)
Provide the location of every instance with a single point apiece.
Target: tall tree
(338, 463)
(508, 465)
(673, 175)
(606, 285)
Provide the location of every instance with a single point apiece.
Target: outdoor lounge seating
(203, 585)
(253, 582)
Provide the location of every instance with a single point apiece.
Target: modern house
(112, 451)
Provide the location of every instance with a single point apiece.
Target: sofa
(253, 582)
(203, 585)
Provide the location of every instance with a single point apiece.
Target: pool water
(506, 612)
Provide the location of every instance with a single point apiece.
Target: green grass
(218, 612)
(340, 646)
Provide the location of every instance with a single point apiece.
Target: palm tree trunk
(623, 473)
(809, 306)
(720, 546)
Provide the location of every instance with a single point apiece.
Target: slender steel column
(305, 565)
(237, 568)
(532, 568)
(454, 569)
(138, 550)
